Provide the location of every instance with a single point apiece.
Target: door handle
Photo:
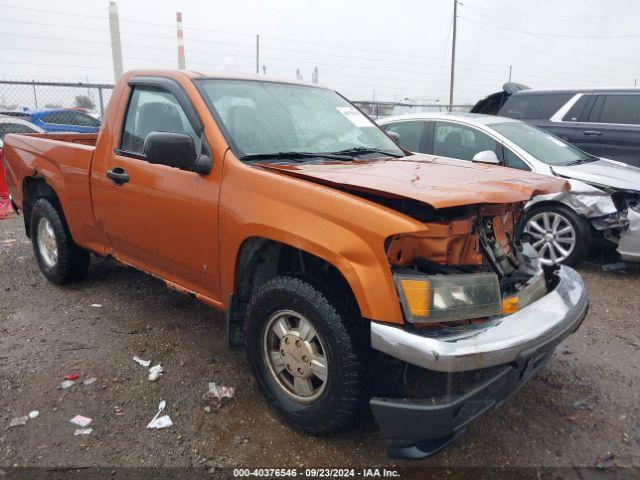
(118, 176)
(592, 133)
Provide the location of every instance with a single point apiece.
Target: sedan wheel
(552, 235)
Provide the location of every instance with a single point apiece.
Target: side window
(512, 160)
(57, 118)
(153, 109)
(459, 141)
(575, 113)
(410, 133)
(534, 106)
(620, 108)
(81, 119)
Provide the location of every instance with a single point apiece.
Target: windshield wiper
(365, 150)
(585, 159)
(294, 156)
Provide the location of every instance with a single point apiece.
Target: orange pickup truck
(354, 273)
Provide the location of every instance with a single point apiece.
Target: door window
(534, 106)
(153, 109)
(459, 141)
(616, 108)
(410, 133)
(512, 160)
(71, 118)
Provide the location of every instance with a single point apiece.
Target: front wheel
(307, 355)
(558, 234)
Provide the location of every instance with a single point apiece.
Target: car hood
(608, 173)
(439, 182)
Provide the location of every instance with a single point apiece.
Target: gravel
(582, 410)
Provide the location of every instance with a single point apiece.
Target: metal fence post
(101, 103)
(35, 96)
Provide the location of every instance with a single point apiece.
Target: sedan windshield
(542, 145)
(268, 118)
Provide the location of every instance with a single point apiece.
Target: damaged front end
(482, 318)
(613, 214)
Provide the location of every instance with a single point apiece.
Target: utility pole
(257, 54)
(181, 61)
(453, 53)
(116, 44)
(510, 67)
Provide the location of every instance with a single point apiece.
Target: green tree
(84, 101)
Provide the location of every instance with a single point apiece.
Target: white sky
(390, 49)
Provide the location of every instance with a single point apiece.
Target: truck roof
(232, 76)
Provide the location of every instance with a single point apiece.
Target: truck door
(161, 219)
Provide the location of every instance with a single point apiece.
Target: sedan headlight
(444, 298)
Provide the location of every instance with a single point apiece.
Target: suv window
(153, 109)
(410, 133)
(575, 113)
(530, 106)
(459, 141)
(616, 108)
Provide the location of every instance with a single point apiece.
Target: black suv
(603, 122)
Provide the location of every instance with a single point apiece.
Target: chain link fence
(377, 110)
(55, 106)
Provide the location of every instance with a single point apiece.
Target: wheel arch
(261, 258)
(34, 188)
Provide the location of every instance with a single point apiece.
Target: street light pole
(453, 53)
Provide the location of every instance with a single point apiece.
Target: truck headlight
(444, 298)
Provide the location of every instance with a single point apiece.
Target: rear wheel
(307, 355)
(557, 234)
(59, 258)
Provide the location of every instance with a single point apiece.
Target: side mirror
(394, 136)
(175, 150)
(487, 156)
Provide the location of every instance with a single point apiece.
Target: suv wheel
(557, 234)
(306, 354)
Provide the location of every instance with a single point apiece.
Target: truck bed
(64, 161)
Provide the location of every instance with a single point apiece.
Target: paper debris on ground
(66, 384)
(96, 305)
(81, 421)
(18, 421)
(83, 431)
(155, 372)
(160, 422)
(89, 381)
(220, 391)
(143, 363)
(218, 395)
(34, 414)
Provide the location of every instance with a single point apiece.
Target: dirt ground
(582, 410)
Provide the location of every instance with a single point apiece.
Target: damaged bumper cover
(517, 346)
(629, 245)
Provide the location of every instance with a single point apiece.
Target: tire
(59, 258)
(547, 247)
(334, 405)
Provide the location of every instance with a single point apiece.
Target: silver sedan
(602, 206)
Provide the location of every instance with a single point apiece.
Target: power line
(538, 14)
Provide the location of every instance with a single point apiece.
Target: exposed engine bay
(476, 239)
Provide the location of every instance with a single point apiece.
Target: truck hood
(439, 182)
(608, 173)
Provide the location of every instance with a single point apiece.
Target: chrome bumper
(497, 341)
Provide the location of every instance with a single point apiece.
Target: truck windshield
(542, 145)
(268, 118)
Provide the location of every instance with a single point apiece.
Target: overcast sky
(387, 49)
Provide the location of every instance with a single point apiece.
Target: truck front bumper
(511, 348)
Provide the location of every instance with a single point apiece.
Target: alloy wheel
(552, 236)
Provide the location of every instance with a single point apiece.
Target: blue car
(60, 120)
